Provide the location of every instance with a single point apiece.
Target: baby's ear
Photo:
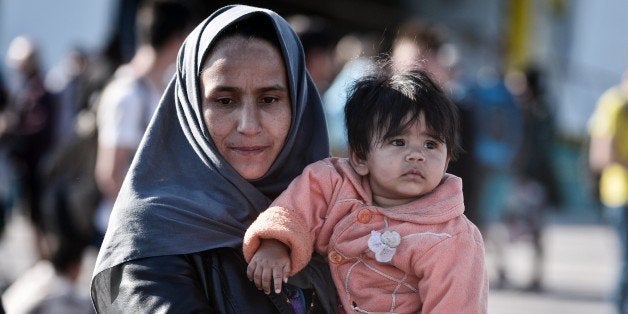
(359, 165)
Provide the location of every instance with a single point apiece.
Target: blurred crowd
(68, 135)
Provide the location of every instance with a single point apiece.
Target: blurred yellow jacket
(611, 119)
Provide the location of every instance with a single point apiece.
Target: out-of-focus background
(527, 75)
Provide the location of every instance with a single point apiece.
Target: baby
(389, 218)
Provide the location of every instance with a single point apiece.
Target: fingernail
(277, 291)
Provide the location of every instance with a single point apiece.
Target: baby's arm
(269, 264)
(294, 219)
(296, 216)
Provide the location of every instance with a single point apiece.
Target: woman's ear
(358, 164)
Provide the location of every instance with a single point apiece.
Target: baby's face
(404, 168)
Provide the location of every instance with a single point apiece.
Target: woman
(238, 122)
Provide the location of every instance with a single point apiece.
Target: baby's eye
(398, 142)
(431, 145)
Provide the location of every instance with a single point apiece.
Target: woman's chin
(251, 173)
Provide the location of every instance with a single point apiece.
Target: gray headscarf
(180, 196)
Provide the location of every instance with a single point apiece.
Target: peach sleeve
(296, 216)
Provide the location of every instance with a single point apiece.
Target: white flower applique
(384, 245)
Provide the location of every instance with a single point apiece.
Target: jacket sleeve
(454, 277)
(296, 216)
(149, 285)
(212, 281)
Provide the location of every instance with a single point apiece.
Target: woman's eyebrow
(226, 88)
(274, 88)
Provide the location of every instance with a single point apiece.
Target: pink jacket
(438, 267)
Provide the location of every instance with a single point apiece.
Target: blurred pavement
(579, 273)
(580, 269)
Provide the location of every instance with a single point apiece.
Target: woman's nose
(249, 120)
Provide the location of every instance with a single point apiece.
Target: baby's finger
(257, 277)
(286, 271)
(250, 270)
(278, 276)
(266, 279)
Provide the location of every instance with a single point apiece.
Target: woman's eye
(269, 100)
(398, 142)
(224, 101)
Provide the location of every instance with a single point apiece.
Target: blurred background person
(355, 54)
(6, 172)
(534, 191)
(419, 44)
(30, 125)
(497, 137)
(129, 100)
(50, 286)
(70, 194)
(67, 81)
(319, 43)
(608, 155)
(325, 56)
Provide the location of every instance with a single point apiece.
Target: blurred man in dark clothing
(29, 125)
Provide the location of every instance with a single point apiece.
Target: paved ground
(580, 268)
(580, 271)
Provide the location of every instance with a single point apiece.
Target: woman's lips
(249, 150)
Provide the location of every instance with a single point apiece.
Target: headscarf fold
(180, 196)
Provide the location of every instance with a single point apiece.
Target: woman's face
(246, 103)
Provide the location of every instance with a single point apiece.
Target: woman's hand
(270, 264)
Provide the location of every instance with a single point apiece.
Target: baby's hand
(271, 263)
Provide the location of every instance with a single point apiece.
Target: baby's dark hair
(382, 106)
